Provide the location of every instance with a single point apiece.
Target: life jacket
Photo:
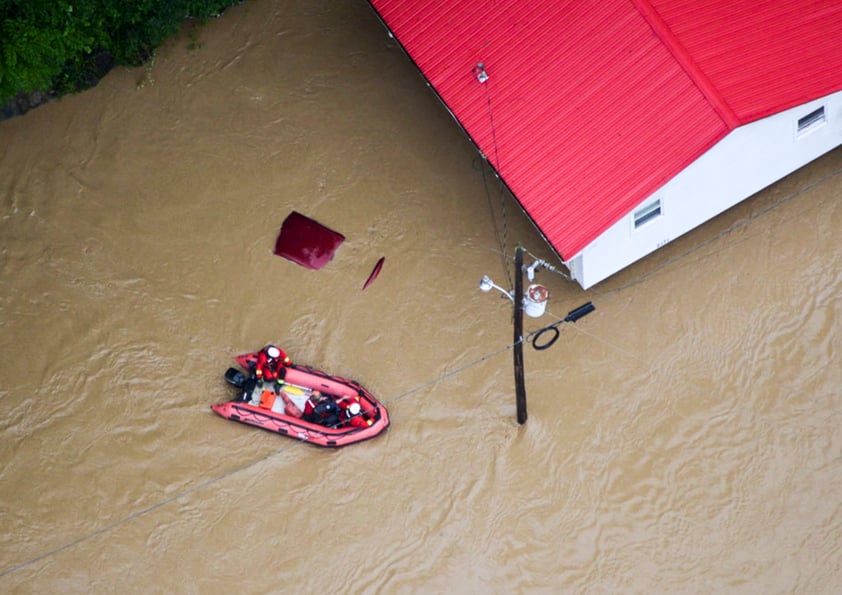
(360, 420)
(271, 368)
(325, 413)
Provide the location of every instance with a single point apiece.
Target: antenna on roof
(480, 73)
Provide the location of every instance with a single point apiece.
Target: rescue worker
(352, 413)
(271, 362)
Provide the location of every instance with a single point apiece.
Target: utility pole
(533, 304)
(520, 387)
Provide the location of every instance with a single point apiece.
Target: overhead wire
(603, 296)
(216, 479)
(502, 241)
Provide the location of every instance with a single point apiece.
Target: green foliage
(66, 45)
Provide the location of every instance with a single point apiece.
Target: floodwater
(686, 437)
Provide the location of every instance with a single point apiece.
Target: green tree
(58, 45)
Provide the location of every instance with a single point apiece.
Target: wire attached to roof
(481, 75)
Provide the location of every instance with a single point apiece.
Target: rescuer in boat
(353, 414)
(271, 362)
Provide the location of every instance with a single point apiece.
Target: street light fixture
(486, 285)
(534, 300)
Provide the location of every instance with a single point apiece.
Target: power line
(604, 296)
(482, 76)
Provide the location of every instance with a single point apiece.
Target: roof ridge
(685, 59)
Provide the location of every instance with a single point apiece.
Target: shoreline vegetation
(51, 48)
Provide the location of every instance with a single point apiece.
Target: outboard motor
(235, 378)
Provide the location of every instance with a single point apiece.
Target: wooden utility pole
(520, 387)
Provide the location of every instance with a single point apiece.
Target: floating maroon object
(374, 272)
(307, 242)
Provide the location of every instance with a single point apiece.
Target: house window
(644, 215)
(811, 121)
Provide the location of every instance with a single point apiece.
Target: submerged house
(619, 125)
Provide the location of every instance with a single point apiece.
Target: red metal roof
(763, 57)
(592, 105)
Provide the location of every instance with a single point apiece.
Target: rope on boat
(447, 375)
(145, 511)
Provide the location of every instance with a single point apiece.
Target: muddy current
(686, 437)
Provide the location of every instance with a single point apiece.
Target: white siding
(741, 164)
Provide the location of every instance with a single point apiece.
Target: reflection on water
(683, 438)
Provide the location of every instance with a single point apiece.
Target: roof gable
(763, 57)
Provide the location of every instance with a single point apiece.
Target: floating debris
(374, 272)
(307, 242)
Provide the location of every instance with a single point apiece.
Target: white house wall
(741, 164)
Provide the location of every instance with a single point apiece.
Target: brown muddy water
(684, 438)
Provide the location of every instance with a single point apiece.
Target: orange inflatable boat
(281, 407)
